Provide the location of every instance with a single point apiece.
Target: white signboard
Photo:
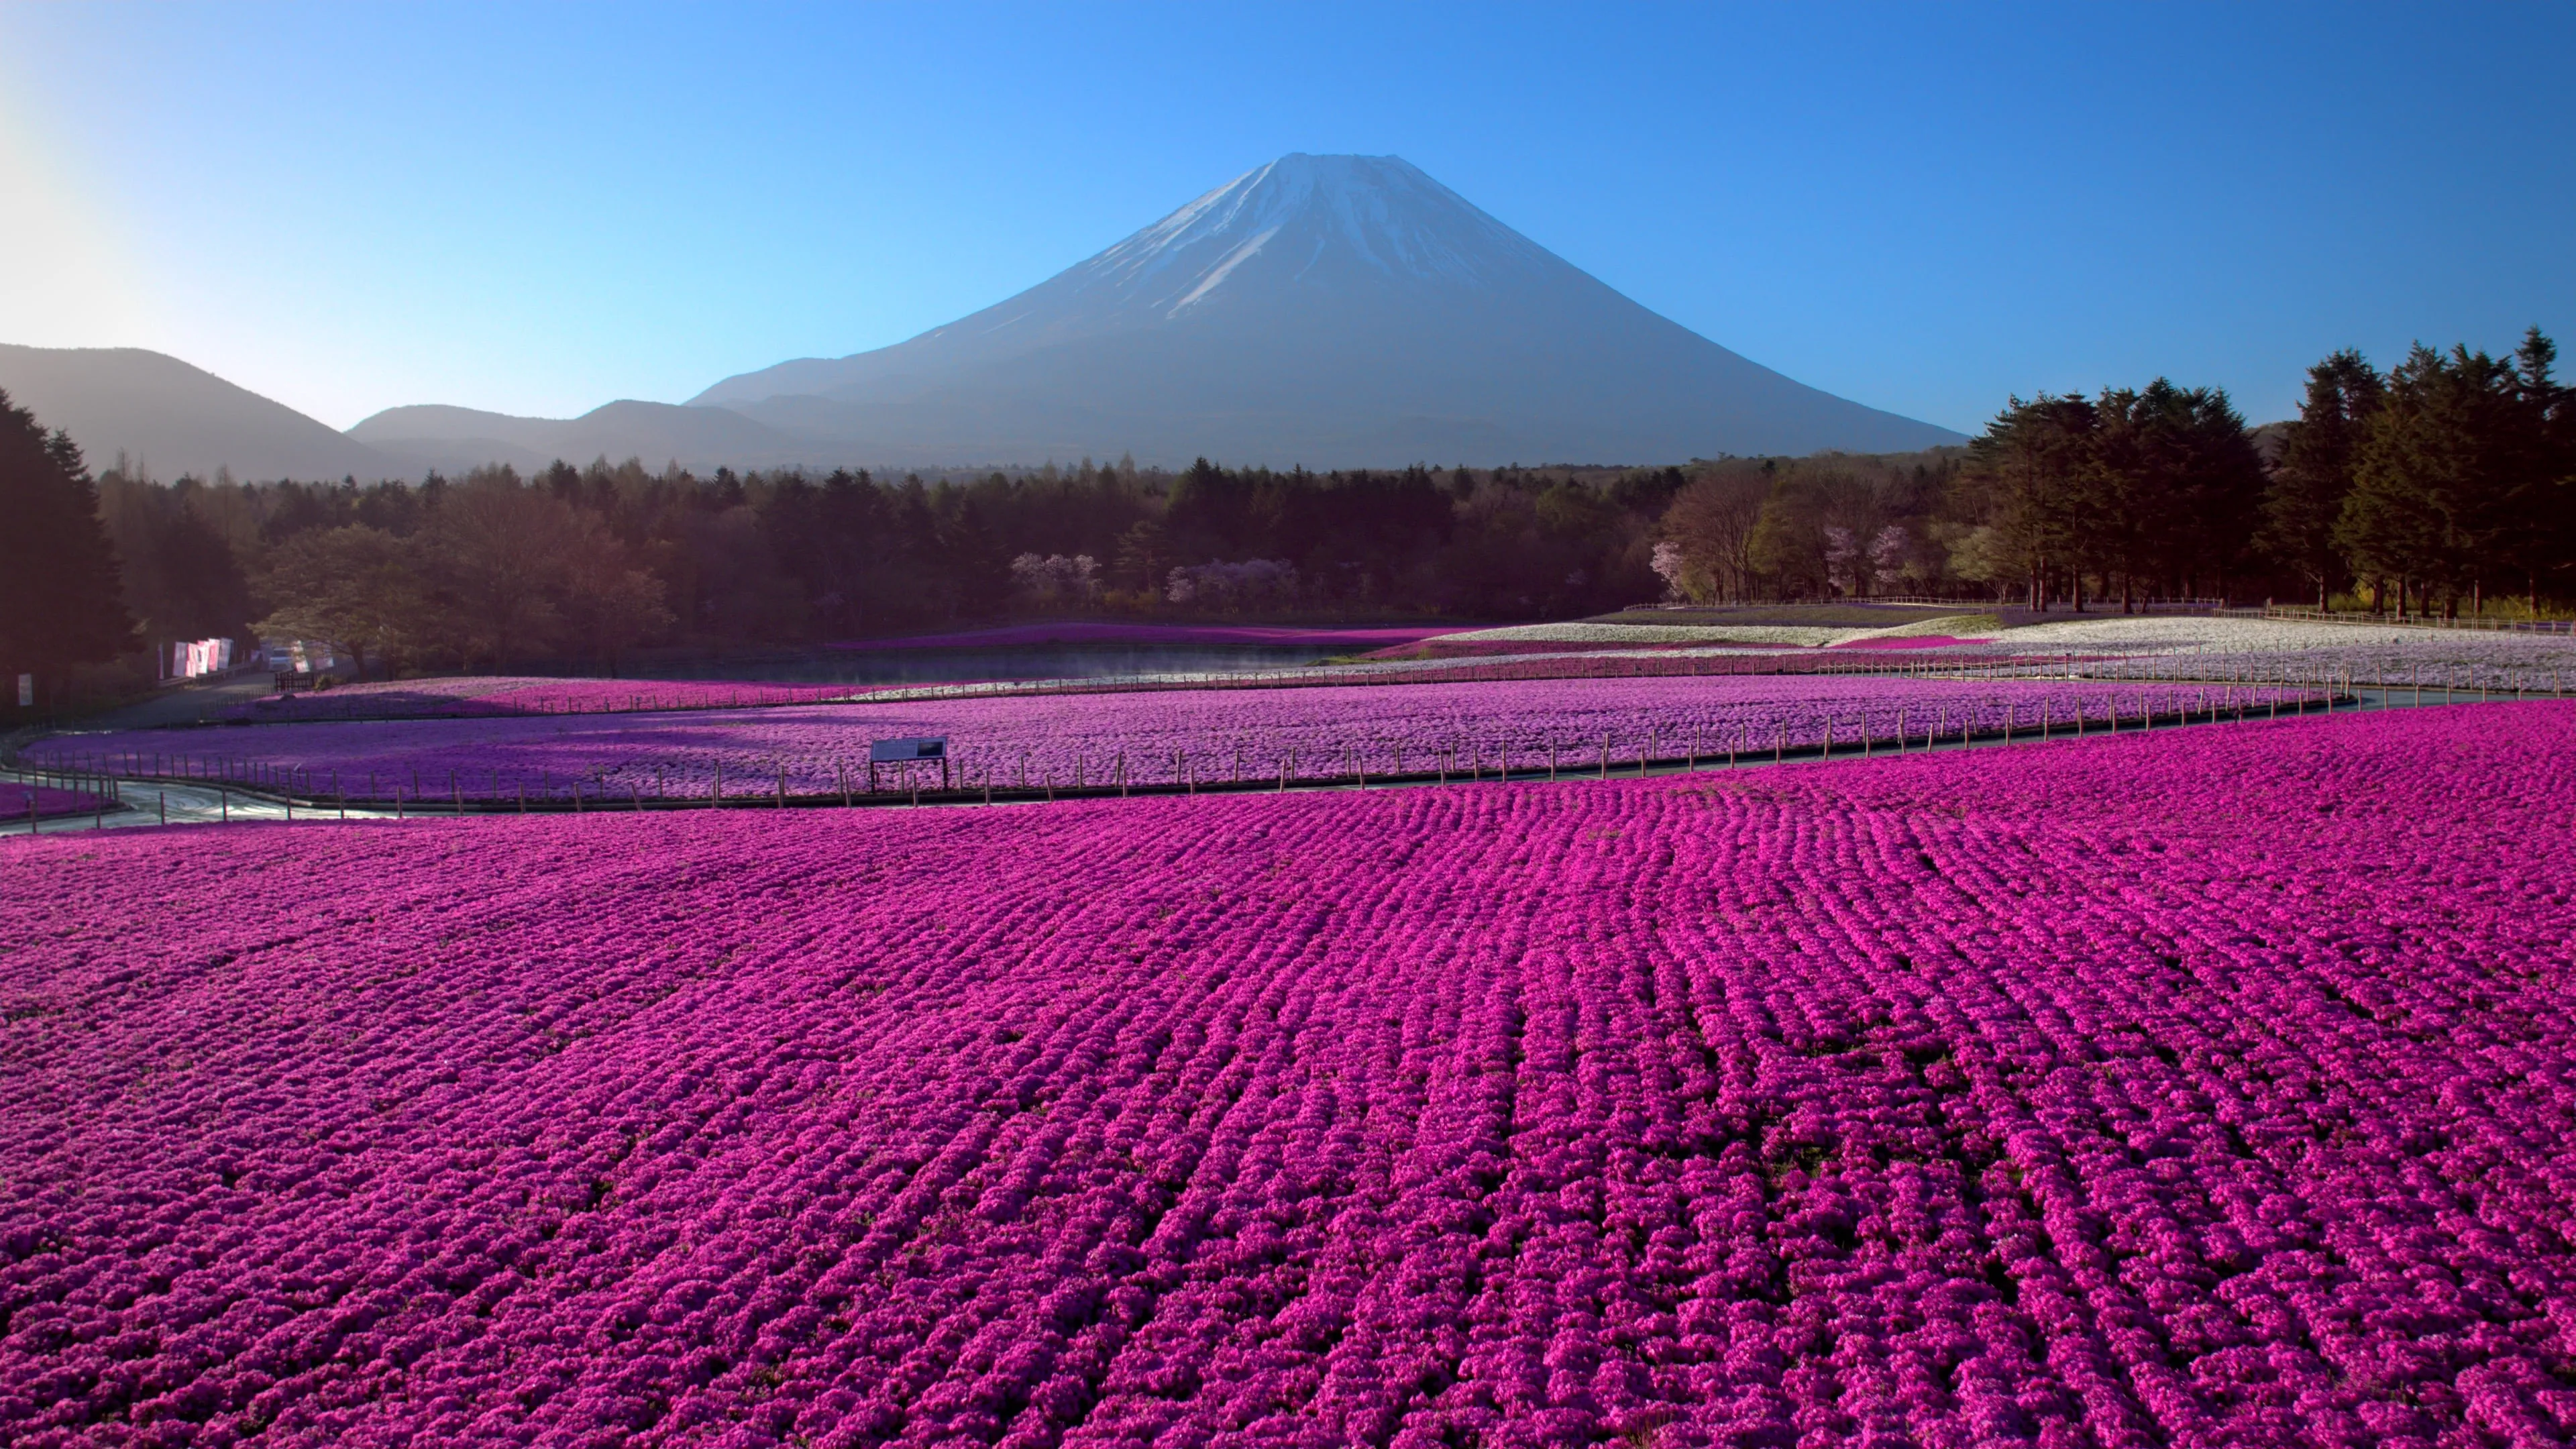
(888, 752)
(26, 691)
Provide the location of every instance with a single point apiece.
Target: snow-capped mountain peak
(1326, 310)
(1313, 218)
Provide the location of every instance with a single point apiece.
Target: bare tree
(499, 551)
(1711, 521)
(354, 587)
(610, 603)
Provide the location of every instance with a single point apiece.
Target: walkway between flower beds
(151, 801)
(133, 801)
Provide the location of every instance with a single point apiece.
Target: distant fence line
(2418, 621)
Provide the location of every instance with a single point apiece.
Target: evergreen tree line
(2446, 479)
(60, 602)
(2439, 484)
(583, 566)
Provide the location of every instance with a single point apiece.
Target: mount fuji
(1334, 311)
(1326, 310)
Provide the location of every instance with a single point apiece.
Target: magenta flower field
(2205, 1087)
(1153, 737)
(497, 696)
(487, 695)
(48, 800)
(1112, 633)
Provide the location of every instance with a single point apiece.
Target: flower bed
(1022, 635)
(1913, 641)
(1506, 648)
(2206, 1087)
(48, 801)
(486, 696)
(1588, 631)
(1145, 737)
(2501, 660)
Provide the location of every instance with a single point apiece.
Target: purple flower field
(1153, 736)
(2197, 1088)
(1082, 632)
(1912, 641)
(1506, 648)
(490, 695)
(48, 801)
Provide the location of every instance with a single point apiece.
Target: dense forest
(2444, 483)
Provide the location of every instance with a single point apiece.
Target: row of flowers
(2160, 647)
(2203, 1088)
(23, 801)
(488, 696)
(491, 695)
(1156, 737)
(2496, 660)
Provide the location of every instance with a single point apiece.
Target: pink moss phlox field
(1550, 660)
(480, 696)
(48, 800)
(2200, 1088)
(1019, 635)
(1159, 737)
(1912, 641)
(1505, 648)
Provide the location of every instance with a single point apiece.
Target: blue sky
(538, 209)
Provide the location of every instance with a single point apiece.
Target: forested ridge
(2444, 483)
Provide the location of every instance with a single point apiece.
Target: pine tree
(61, 602)
(2306, 497)
(2173, 492)
(1144, 551)
(2442, 481)
(2547, 541)
(2032, 464)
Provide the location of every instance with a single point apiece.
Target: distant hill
(1326, 310)
(454, 439)
(175, 418)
